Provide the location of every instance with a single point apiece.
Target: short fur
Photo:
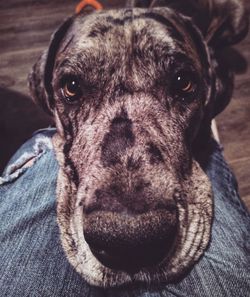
(129, 175)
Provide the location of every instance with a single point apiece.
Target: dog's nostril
(130, 243)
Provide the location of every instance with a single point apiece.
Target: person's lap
(32, 261)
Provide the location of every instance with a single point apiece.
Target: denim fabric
(32, 261)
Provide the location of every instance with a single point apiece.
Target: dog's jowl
(132, 92)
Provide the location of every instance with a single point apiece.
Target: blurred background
(25, 30)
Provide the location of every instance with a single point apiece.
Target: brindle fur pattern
(127, 148)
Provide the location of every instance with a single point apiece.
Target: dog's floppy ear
(41, 75)
(222, 22)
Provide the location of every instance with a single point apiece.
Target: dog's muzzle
(131, 242)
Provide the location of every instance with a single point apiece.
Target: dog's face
(129, 91)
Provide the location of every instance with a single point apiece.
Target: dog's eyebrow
(74, 63)
(63, 63)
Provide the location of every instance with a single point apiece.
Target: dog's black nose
(130, 243)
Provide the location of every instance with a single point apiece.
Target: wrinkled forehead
(127, 36)
(124, 27)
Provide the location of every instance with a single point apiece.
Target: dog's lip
(131, 262)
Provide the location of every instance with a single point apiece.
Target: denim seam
(9, 178)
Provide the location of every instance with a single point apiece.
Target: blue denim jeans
(32, 261)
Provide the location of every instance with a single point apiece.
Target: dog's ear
(40, 78)
(222, 22)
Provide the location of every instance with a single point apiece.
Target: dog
(132, 92)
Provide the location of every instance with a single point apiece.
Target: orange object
(94, 3)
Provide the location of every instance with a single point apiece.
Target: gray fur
(128, 173)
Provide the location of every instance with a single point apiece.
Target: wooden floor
(234, 122)
(25, 29)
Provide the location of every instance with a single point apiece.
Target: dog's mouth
(129, 244)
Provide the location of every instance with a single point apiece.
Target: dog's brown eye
(184, 84)
(71, 90)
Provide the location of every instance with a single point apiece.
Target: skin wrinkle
(125, 148)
